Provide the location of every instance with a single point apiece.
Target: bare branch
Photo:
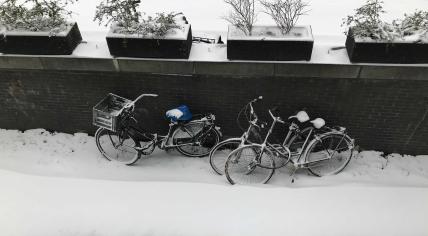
(243, 15)
(285, 13)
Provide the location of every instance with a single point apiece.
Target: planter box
(384, 51)
(176, 45)
(41, 43)
(268, 44)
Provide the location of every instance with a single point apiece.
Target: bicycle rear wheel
(117, 148)
(219, 154)
(336, 149)
(187, 135)
(243, 165)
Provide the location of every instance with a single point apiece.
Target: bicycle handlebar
(145, 95)
(252, 119)
(131, 104)
(252, 113)
(256, 99)
(277, 118)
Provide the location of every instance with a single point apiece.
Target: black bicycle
(119, 139)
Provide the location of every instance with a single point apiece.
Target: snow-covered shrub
(285, 13)
(127, 19)
(367, 23)
(35, 15)
(158, 25)
(122, 12)
(416, 23)
(243, 15)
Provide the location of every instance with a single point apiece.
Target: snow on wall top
(172, 34)
(415, 38)
(271, 33)
(37, 33)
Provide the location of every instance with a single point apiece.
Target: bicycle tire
(320, 148)
(117, 149)
(220, 152)
(189, 131)
(242, 167)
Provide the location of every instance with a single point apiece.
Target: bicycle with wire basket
(320, 149)
(119, 139)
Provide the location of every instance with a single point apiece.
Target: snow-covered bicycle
(220, 152)
(119, 139)
(324, 151)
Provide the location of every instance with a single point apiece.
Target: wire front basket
(106, 113)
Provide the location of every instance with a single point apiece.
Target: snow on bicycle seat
(181, 113)
(301, 116)
(318, 123)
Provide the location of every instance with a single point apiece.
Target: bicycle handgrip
(150, 95)
(256, 99)
(145, 95)
(280, 120)
(275, 109)
(270, 113)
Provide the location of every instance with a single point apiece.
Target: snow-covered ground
(58, 184)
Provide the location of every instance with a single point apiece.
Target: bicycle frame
(253, 123)
(293, 131)
(128, 129)
(266, 144)
(294, 128)
(163, 140)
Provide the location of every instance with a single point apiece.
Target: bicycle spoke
(115, 148)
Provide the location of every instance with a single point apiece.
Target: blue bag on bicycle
(181, 113)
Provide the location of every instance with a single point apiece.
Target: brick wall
(381, 108)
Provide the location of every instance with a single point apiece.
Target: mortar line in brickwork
(360, 69)
(417, 126)
(193, 68)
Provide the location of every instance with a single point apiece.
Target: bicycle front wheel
(195, 139)
(220, 152)
(117, 148)
(329, 154)
(245, 165)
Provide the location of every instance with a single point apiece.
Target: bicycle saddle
(318, 123)
(181, 113)
(301, 116)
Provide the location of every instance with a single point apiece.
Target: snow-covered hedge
(35, 15)
(127, 19)
(367, 23)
